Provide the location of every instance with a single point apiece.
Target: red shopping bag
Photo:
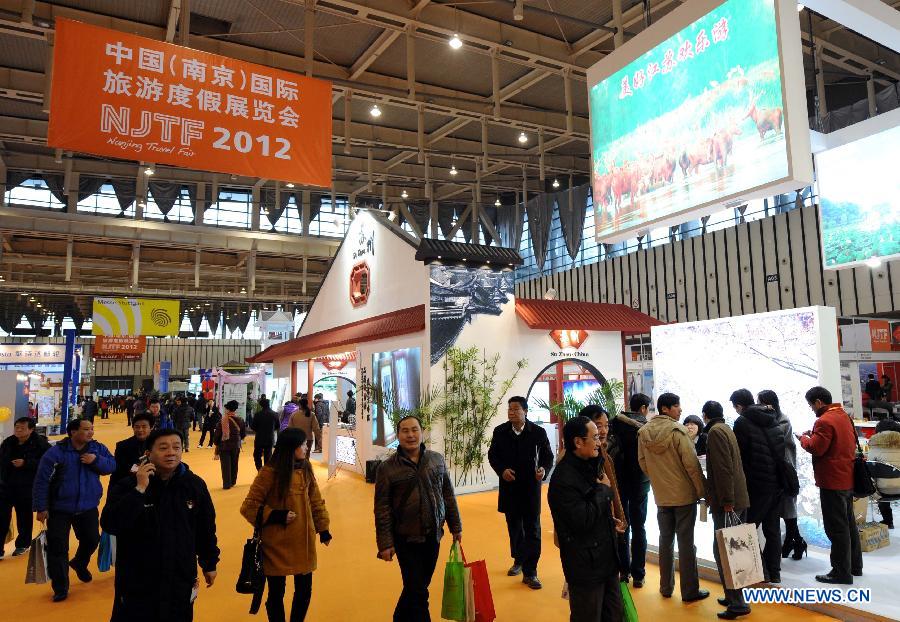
(484, 600)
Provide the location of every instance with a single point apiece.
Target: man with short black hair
(873, 389)
(634, 486)
(89, 408)
(666, 453)
(413, 498)
(131, 450)
(581, 505)
(161, 420)
(20, 455)
(520, 454)
(156, 569)
(265, 425)
(70, 501)
(182, 416)
(832, 443)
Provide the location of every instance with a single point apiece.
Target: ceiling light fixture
(455, 42)
(556, 183)
(148, 171)
(497, 203)
(523, 138)
(404, 194)
(453, 170)
(289, 185)
(375, 111)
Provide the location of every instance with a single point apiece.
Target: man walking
(320, 410)
(265, 425)
(413, 498)
(762, 454)
(161, 420)
(581, 506)
(520, 455)
(130, 451)
(634, 486)
(182, 417)
(832, 443)
(20, 455)
(89, 409)
(666, 454)
(156, 569)
(726, 492)
(70, 501)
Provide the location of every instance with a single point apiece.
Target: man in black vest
(520, 454)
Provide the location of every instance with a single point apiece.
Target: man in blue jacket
(66, 494)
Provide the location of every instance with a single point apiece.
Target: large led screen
(696, 120)
(859, 198)
(785, 351)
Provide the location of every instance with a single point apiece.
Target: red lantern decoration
(360, 284)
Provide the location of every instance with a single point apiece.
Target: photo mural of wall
(458, 294)
(780, 351)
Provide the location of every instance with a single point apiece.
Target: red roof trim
(402, 322)
(554, 314)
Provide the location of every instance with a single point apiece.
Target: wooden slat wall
(727, 272)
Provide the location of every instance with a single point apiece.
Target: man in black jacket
(19, 458)
(581, 505)
(521, 456)
(89, 409)
(762, 454)
(634, 486)
(165, 524)
(265, 425)
(131, 450)
(182, 417)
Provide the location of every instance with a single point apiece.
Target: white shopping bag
(739, 553)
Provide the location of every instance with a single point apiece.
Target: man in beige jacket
(666, 454)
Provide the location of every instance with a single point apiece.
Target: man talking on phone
(165, 525)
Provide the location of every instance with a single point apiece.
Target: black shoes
(638, 583)
(794, 548)
(514, 570)
(722, 601)
(834, 579)
(532, 582)
(84, 575)
(700, 595)
(800, 549)
(728, 614)
(787, 547)
(60, 596)
(856, 573)
(20, 551)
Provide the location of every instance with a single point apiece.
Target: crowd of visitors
(164, 522)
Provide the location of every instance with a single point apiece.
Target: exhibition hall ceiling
(510, 78)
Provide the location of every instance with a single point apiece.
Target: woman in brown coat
(305, 420)
(286, 499)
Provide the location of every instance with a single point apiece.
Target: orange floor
(351, 584)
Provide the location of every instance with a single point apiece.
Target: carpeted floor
(351, 584)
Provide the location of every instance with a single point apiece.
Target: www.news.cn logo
(801, 596)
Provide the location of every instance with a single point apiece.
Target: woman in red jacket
(832, 443)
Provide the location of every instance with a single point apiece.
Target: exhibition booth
(395, 315)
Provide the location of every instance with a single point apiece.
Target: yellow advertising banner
(115, 317)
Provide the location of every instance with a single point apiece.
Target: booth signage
(880, 332)
(116, 317)
(120, 95)
(20, 354)
(570, 338)
(124, 348)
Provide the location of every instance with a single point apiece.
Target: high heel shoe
(787, 547)
(800, 549)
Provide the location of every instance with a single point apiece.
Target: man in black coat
(581, 505)
(165, 524)
(521, 456)
(19, 458)
(634, 486)
(131, 450)
(265, 425)
(89, 409)
(762, 453)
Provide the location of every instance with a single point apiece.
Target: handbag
(252, 577)
(104, 553)
(36, 571)
(453, 603)
(739, 552)
(863, 485)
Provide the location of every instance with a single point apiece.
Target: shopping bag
(481, 588)
(470, 595)
(36, 571)
(453, 604)
(112, 549)
(104, 553)
(629, 611)
(739, 553)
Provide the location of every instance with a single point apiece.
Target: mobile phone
(143, 460)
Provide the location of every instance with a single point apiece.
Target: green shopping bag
(628, 608)
(453, 606)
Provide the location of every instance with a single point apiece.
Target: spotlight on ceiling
(404, 194)
(556, 183)
(289, 185)
(523, 138)
(455, 42)
(453, 170)
(149, 171)
(375, 111)
(497, 203)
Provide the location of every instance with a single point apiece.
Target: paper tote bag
(470, 595)
(453, 604)
(481, 587)
(36, 571)
(740, 555)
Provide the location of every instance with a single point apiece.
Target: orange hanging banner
(120, 95)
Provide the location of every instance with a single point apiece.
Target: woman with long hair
(794, 545)
(304, 420)
(286, 497)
